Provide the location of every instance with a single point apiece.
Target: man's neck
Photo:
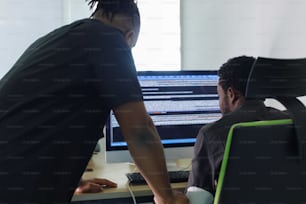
(115, 22)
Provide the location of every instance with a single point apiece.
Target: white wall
(216, 30)
(75, 10)
(212, 30)
(22, 22)
(158, 45)
(154, 53)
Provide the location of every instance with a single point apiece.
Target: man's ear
(235, 99)
(129, 37)
(230, 93)
(129, 34)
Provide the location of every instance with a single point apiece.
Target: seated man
(211, 139)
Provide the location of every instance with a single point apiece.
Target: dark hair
(110, 8)
(235, 72)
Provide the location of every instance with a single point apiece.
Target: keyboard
(175, 177)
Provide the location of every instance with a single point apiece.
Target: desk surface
(116, 173)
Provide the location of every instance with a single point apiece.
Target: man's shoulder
(223, 125)
(212, 126)
(89, 30)
(219, 128)
(224, 122)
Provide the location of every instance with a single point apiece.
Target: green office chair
(265, 161)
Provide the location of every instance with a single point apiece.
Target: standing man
(211, 139)
(56, 98)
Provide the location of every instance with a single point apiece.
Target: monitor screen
(179, 103)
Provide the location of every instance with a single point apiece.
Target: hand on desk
(178, 198)
(95, 185)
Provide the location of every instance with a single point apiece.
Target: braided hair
(109, 8)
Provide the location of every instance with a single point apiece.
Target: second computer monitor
(179, 103)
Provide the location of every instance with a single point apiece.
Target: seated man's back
(211, 139)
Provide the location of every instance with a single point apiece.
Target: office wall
(22, 22)
(74, 10)
(215, 30)
(212, 30)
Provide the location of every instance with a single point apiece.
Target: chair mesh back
(273, 78)
(284, 80)
(263, 167)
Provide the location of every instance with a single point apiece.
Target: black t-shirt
(53, 106)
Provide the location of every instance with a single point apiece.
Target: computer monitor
(179, 103)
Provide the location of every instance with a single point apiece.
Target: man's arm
(199, 190)
(146, 149)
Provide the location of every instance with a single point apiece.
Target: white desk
(116, 173)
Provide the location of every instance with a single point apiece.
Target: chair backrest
(260, 165)
(264, 161)
(277, 78)
(283, 80)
